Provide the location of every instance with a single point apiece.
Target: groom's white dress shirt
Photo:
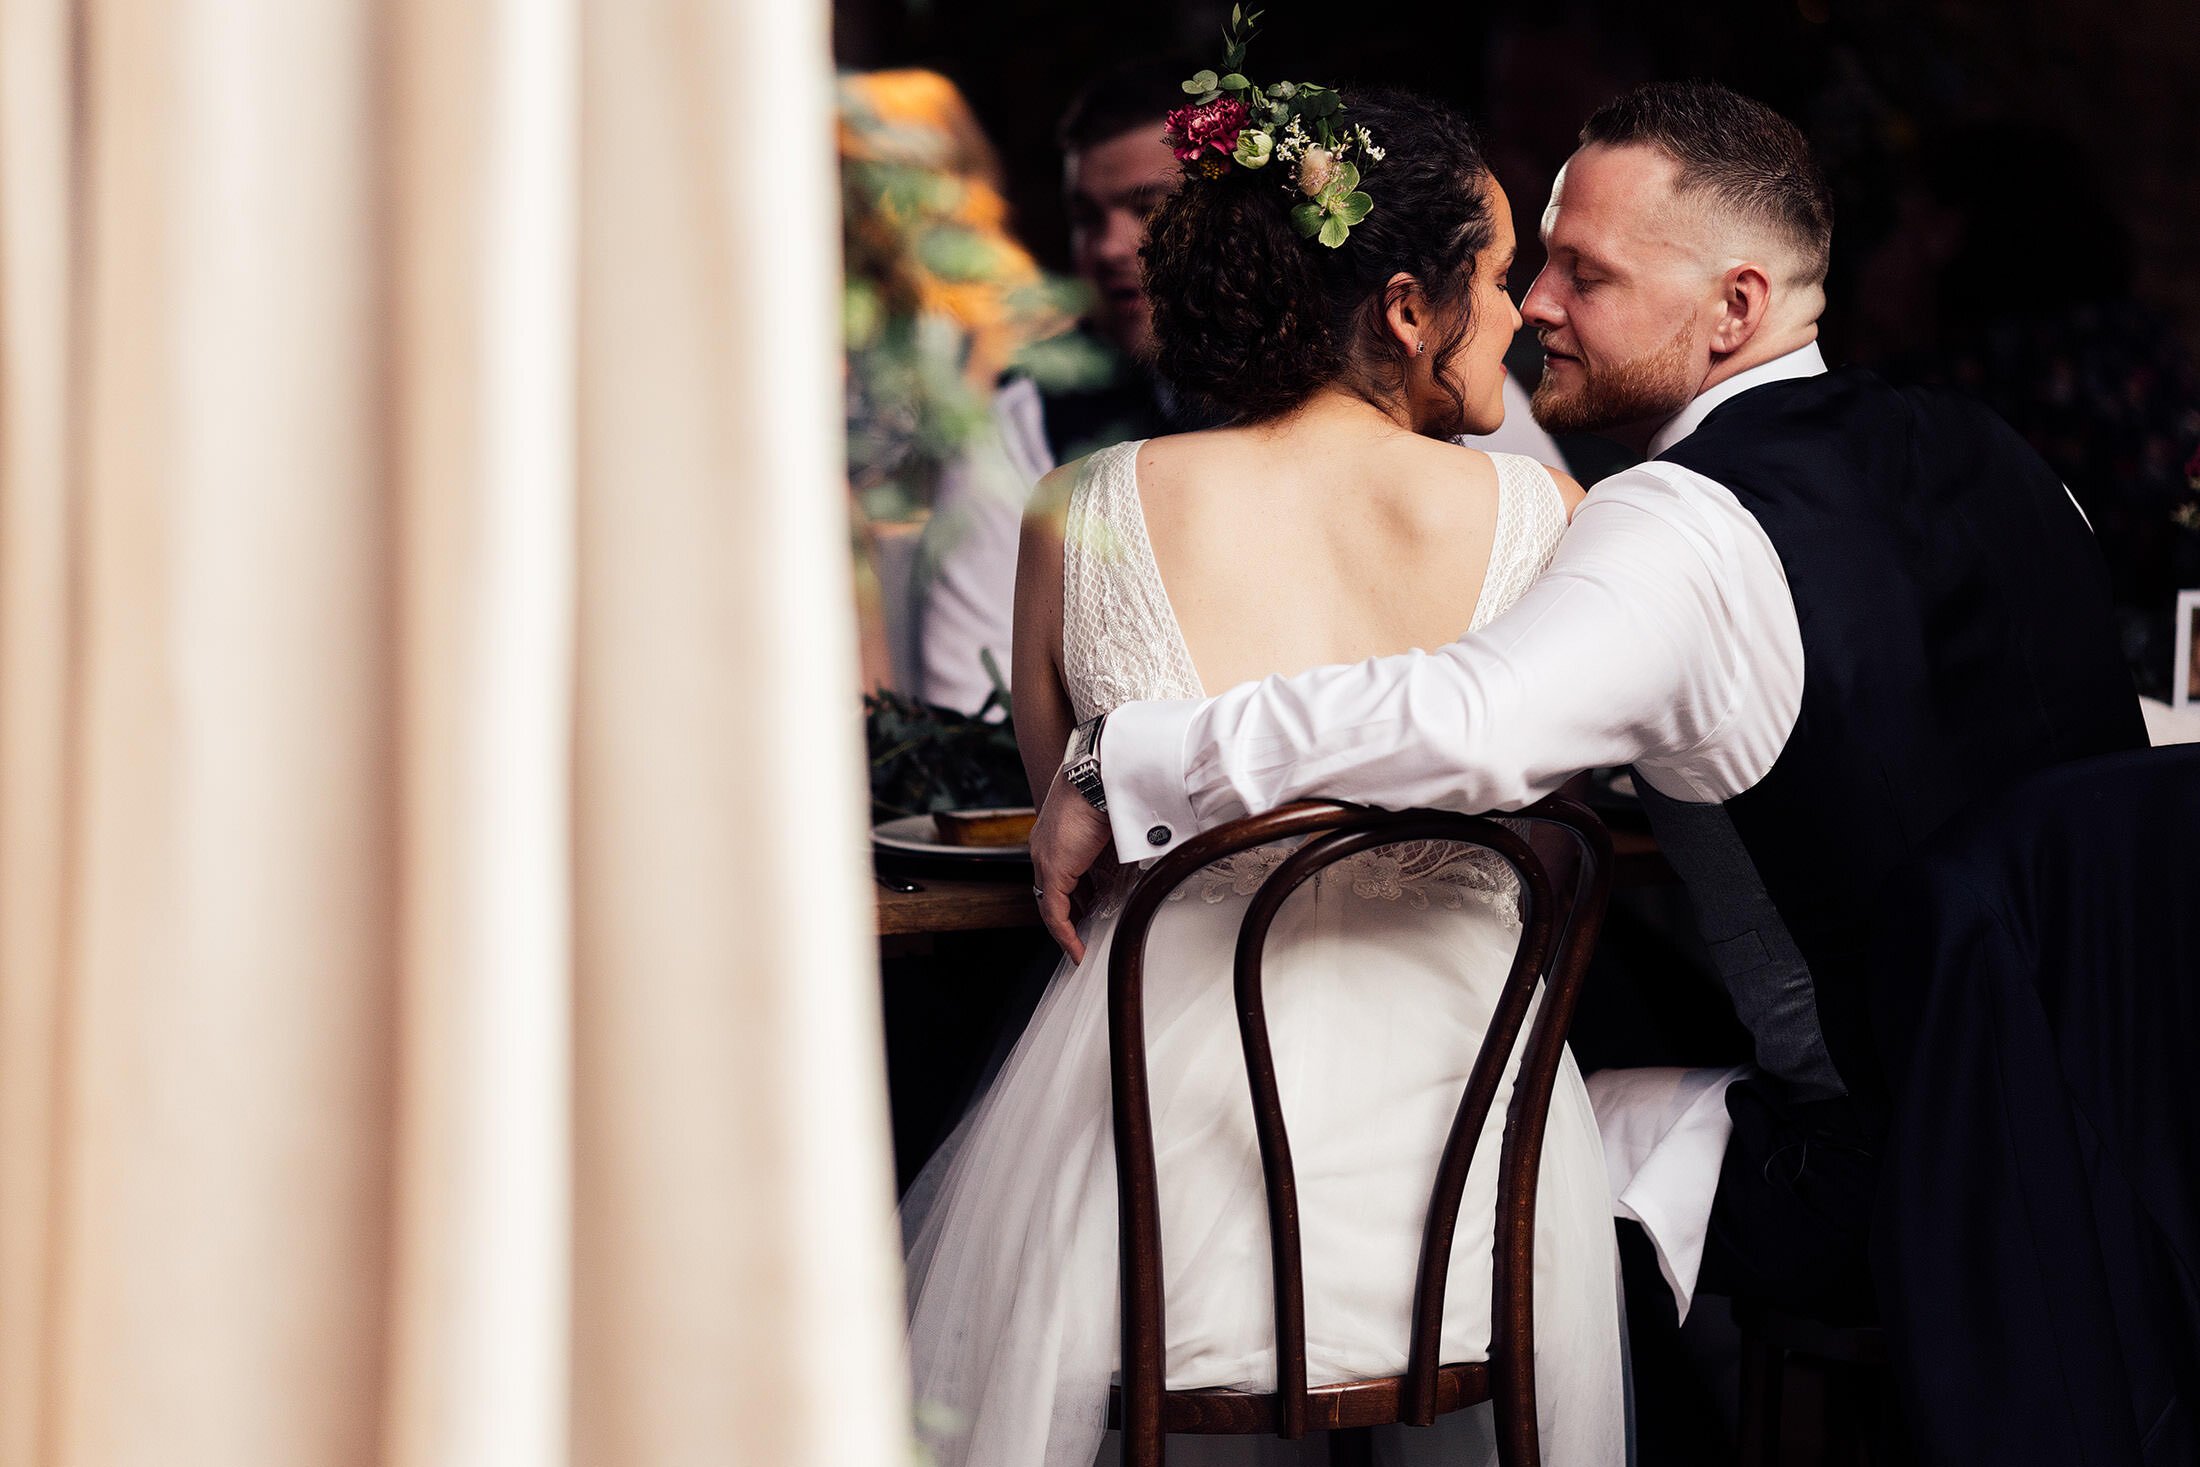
(1663, 636)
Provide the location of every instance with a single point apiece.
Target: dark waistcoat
(1956, 637)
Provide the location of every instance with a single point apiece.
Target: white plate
(916, 835)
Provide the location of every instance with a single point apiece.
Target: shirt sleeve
(1633, 645)
(966, 573)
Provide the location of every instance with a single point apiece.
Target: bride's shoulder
(1569, 490)
(1046, 521)
(1050, 497)
(1054, 496)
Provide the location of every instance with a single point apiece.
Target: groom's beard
(1649, 389)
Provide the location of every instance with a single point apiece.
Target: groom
(1824, 617)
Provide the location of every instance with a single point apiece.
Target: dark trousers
(1791, 1218)
(1678, 1423)
(1790, 1227)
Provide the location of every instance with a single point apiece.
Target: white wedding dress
(1380, 979)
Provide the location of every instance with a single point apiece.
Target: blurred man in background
(1115, 170)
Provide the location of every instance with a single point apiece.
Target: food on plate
(1005, 827)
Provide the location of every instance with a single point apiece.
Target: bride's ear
(1405, 312)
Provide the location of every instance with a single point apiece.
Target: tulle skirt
(1377, 1009)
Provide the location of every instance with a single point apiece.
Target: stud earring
(1419, 347)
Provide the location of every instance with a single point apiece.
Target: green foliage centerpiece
(925, 758)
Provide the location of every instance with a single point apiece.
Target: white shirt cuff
(1665, 1133)
(1142, 766)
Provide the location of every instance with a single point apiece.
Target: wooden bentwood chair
(1554, 950)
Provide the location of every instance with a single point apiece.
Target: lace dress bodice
(1121, 643)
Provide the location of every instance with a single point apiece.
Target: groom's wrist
(1142, 763)
(1081, 762)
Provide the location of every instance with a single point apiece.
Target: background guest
(939, 298)
(1115, 170)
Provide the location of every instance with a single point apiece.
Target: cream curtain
(436, 1002)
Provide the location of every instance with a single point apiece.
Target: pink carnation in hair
(1216, 125)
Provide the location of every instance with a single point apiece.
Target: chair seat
(1328, 1407)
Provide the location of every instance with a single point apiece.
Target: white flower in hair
(1316, 168)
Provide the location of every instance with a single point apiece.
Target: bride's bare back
(1330, 536)
(1322, 542)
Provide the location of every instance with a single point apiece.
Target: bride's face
(1477, 369)
(1463, 391)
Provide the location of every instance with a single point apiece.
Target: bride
(1333, 520)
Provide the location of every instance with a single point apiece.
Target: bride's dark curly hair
(1250, 318)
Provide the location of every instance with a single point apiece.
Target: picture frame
(2185, 666)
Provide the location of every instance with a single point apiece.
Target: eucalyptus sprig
(1206, 86)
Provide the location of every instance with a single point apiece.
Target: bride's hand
(1068, 838)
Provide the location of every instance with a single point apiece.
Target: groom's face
(1623, 305)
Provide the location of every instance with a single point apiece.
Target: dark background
(2016, 208)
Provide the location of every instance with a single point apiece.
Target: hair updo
(1250, 318)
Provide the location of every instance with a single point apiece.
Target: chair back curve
(1557, 936)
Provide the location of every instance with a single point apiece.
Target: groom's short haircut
(1748, 157)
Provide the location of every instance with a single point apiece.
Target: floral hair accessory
(1296, 127)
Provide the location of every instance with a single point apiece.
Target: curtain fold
(37, 215)
(479, 176)
(719, 817)
(437, 1004)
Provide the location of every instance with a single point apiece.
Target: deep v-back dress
(1380, 980)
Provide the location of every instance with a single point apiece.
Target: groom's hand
(1069, 837)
